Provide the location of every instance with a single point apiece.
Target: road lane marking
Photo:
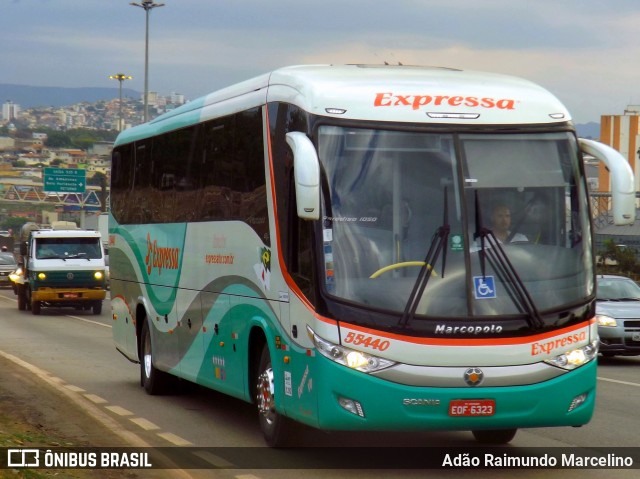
(144, 424)
(175, 440)
(626, 383)
(95, 399)
(91, 321)
(73, 388)
(120, 411)
(67, 315)
(98, 414)
(78, 400)
(214, 460)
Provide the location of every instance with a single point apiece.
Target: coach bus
(319, 241)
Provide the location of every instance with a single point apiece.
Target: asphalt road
(73, 353)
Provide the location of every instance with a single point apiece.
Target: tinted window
(213, 171)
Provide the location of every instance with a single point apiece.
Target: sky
(586, 52)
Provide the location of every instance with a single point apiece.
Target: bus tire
(22, 298)
(35, 307)
(97, 307)
(153, 380)
(276, 429)
(494, 436)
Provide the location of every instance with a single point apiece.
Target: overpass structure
(16, 190)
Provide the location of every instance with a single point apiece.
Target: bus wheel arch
(153, 380)
(277, 429)
(139, 319)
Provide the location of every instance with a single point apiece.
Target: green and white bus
(318, 241)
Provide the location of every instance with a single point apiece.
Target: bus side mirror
(306, 173)
(623, 193)
(24, 248)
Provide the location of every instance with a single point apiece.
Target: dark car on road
(618, 315)
(7, 266)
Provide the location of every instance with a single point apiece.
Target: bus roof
(398, 93)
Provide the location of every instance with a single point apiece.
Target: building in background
(621, 132)
(10, 110)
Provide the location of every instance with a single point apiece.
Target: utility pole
(147, 5)
(120, 77)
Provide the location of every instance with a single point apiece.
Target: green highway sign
(65, 180)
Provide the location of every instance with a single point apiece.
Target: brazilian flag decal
(263, 268)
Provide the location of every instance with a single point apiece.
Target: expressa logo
(417, 101)
(160, 257)
(548, 347)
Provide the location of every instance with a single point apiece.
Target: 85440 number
(358, 339)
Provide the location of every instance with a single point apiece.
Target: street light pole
(147, 5)
(120, 77)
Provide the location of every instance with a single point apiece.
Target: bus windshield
(516, 215)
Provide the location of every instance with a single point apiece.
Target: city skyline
(581, 51)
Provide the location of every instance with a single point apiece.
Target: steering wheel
(404, 264)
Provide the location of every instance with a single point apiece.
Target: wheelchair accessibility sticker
(484, 287)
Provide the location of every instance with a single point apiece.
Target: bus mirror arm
(306, 173)
(623, 192)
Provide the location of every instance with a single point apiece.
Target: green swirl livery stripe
(159, 265)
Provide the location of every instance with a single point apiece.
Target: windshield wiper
(505, 270)
(53, 256)
(79, 255)
(438, 241)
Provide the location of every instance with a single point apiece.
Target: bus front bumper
(350, 400)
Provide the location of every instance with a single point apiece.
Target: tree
(623, 257)
(58, 139)
(98, 179)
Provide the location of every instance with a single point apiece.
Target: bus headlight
(42, 276)
(576, 357)
(351, 358)
(98, 275)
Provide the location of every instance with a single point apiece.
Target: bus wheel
(276, 428)
(97, 307)
(494, 436)
(35, 307)
(153, 380)
(22, 298)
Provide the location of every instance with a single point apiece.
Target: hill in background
(40, 96)
(589, 130)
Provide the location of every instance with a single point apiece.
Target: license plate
(636, 336)
(70, 295)
(472, 407)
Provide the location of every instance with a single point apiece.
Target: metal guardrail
(601, 209)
